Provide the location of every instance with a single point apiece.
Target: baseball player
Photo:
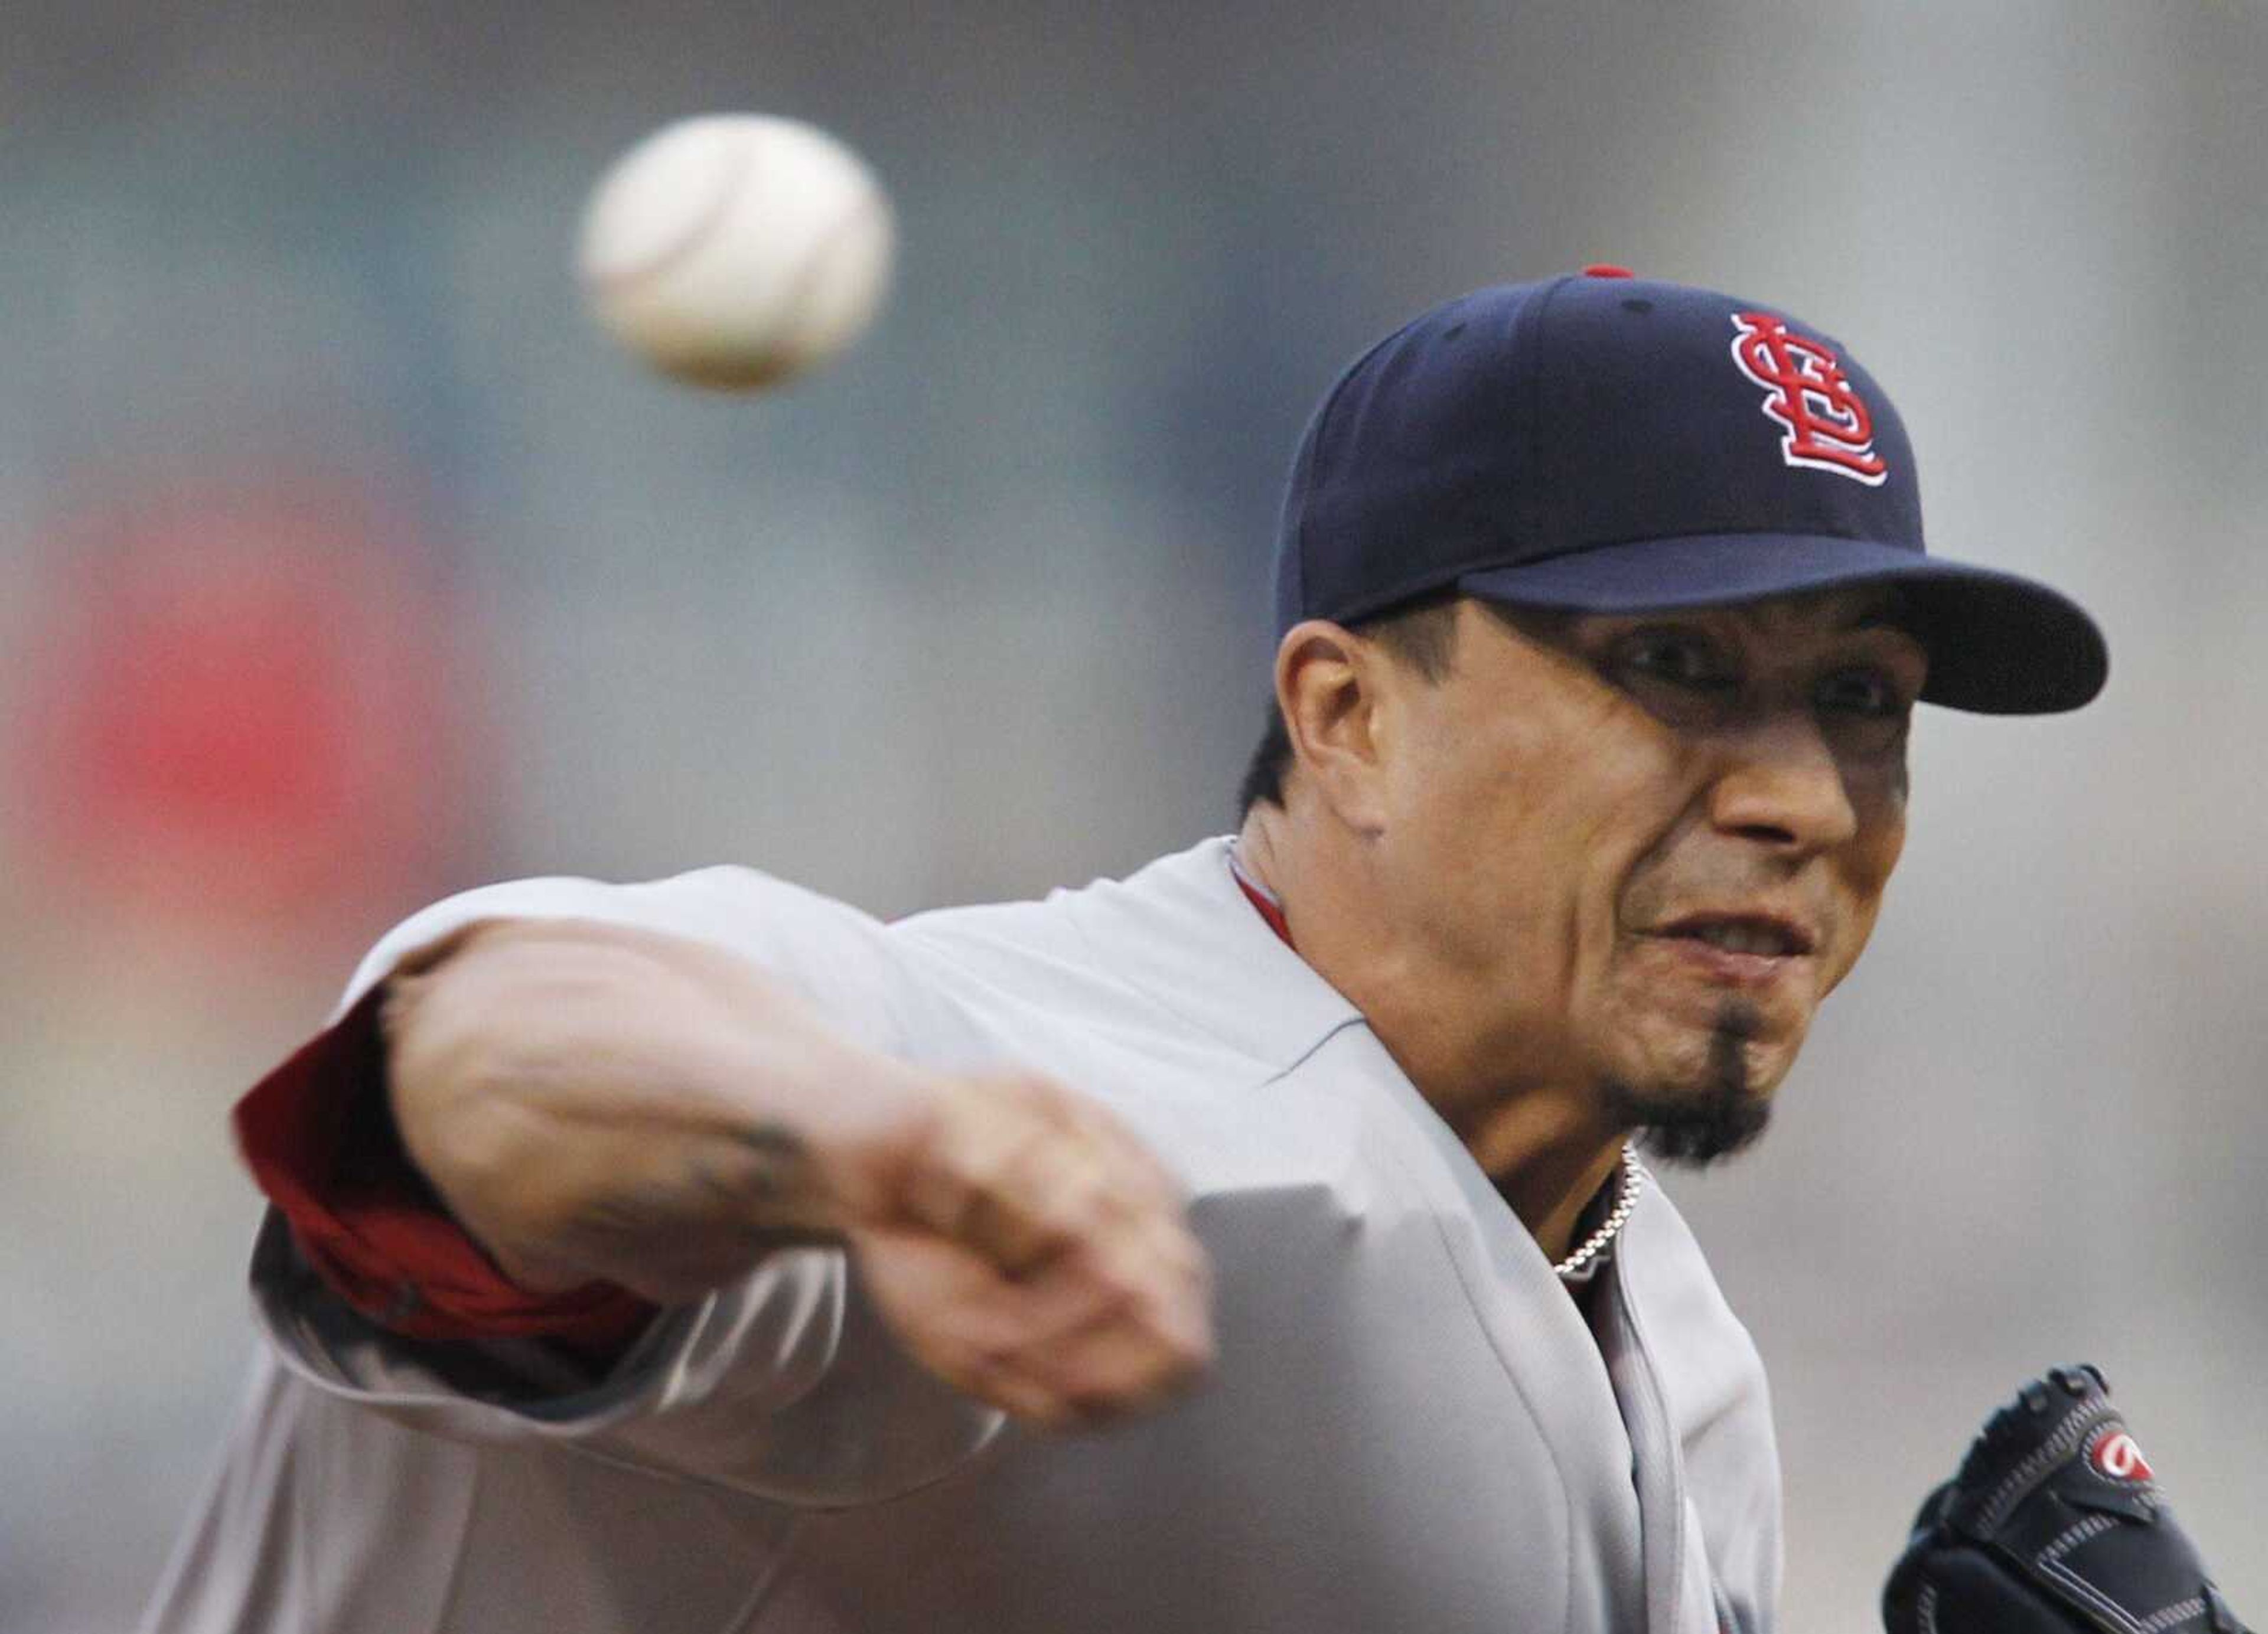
(705, 1256)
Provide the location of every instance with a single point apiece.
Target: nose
(1780, 785)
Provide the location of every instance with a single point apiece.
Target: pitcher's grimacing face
(1655, 839)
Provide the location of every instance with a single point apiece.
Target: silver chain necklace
(1632, 1181)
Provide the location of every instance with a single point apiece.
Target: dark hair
(1420, 636)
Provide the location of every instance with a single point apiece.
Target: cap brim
(1999, 644)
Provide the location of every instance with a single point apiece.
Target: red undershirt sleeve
(318, 1136)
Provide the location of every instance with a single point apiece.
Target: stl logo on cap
(1826, 424)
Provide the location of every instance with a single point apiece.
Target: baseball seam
(742, 159)
(799, 285)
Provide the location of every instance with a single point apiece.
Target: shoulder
(1165, 997)
(1173, 951)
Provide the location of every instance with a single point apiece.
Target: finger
(1127, 1248)
(1104, 1374)
(1100, 1173)
(1120, 1363)
(1035, 1183)
(1109, 1326)
(1096, 1124)
(959, 1306)
(1110, 1331)
(972, 1187)
(1093, 1125)
(955, 1310)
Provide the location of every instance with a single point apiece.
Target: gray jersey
(1411, 1426)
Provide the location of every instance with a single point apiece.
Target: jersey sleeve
(784, 1385)
(318, 1136)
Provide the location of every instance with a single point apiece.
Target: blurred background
(346, 565)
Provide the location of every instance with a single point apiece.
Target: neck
(1540, 1137)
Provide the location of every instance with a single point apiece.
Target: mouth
(1768, 935)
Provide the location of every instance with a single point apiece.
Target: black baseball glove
(2054, 1525)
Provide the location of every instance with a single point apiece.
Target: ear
(1327, 685)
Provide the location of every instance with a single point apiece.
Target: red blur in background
(253, 712)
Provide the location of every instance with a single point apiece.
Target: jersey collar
(1264, 901)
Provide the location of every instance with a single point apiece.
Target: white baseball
(736, 250)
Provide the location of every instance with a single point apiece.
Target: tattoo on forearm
(762, 1187)
(767, 1167)
(773, 1139)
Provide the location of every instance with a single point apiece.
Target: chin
(1720, 1104)
(1690, 1128)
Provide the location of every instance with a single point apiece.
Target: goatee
(1696, 1128)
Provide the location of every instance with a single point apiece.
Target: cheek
(1529, 820)
(1609, 876)
(1503, 860)
(1506, 850)
(1865, 872)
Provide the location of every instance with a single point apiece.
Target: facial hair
(1695, 1127)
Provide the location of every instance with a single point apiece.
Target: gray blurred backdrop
(346, 565)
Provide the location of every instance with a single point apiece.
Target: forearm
(598, 1103)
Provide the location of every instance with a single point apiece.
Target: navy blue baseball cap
(1604, 444)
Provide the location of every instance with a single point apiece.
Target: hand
(1031, 1253)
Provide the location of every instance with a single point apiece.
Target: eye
(1682, 657)
(1868, 693)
